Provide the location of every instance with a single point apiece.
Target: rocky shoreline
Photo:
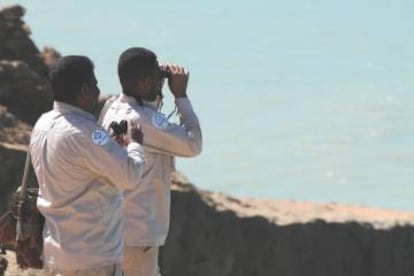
(211, 233)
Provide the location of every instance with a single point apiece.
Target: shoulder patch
(160, 121)
(99, 137)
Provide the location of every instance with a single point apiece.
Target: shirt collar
(131, 100)
(128, 99)
(65, 108)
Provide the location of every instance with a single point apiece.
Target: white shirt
(80, 171)
(147, 207)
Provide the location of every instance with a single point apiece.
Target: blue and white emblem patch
(99, 137)
(160, 121)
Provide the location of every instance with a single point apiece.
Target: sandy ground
(284, 212)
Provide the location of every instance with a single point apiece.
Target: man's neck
(135, 96)
(80, 106)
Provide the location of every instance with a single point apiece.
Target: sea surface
(304, 100)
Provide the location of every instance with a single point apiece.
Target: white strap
(25, 175)
(23, 193)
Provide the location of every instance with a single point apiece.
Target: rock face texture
(14, 138)
(16, 44)
(24, 88)
(211, 234)
(25, 93)
(215, 235)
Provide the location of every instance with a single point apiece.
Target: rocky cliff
(25, 93)
(215, 235)
(24, 88)
(211, 234)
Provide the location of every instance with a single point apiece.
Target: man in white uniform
(147, 207)
(81, 173)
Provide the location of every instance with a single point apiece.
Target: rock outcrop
(24, 87)
(15, 41)
(25, 93)
(14, 138)
(211, 234)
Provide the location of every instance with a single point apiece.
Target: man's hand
(178, 80)
(136, 133)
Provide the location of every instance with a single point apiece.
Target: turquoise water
(308, 100)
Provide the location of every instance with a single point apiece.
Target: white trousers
(110, 270)
(140, 261)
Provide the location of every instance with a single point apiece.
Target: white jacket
(80, 171)
(147, 207)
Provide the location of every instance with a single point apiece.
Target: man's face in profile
(92, 94)
(155, 88)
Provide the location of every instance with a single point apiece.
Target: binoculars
(119, 128)
(165, 72)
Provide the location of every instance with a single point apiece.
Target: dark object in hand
(119, 128)
(165, 72)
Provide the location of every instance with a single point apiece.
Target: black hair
(134, 64)
(67, 76)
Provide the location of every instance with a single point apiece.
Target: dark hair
(67, 76)
(134, 64)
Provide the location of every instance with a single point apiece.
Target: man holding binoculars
(147, 208)
(81, 174)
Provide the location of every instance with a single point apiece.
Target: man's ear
(143, 84)
(84, 90)
(147, 83)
